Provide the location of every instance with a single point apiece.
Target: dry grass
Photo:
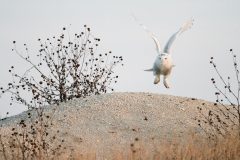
(191, 148)
(201, 148)
(31, 138)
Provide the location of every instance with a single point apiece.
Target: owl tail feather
(148, 70)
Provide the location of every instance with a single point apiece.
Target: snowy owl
(163, 63)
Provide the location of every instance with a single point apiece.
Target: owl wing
(157, 44)
(187, 25)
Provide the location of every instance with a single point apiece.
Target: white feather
(187, 25)
(158, 47)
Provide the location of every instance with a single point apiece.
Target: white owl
(163, 64)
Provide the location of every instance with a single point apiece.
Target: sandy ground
(102, 123)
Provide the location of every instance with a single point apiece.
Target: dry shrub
(67, 67)
(32, 138)
(223, 118)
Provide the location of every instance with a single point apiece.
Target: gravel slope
(116, 119)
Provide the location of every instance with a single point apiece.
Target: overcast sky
(216, 30)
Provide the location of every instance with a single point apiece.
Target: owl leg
(157, 79)
(165, 81)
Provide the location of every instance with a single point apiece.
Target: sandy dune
(106, 122)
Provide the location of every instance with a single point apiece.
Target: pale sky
(215, 31)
